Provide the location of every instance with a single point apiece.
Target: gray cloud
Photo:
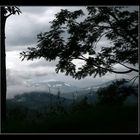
(13, 78)
(25, 31)
(43, 62)
(33, 9)
(21, 32)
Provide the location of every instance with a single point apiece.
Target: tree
(73, 36)
(6, 12)
(116, 93)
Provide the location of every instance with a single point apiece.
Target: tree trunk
(3, 70)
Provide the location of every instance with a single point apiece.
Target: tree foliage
(116, 93)
(76, 35)
(10, 10)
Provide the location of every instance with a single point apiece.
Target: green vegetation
(91, 119)
(108, 115)
(116, 93)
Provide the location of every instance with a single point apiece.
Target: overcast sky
(21, 33)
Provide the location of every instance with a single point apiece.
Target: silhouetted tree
(50, 95)
(73, 97)
(72, 38)
(81, 105)
(116, 93)
(58, 97)
(6, 12)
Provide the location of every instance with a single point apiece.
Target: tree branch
(80, 58)
(128, 67)
(8, 15)
(133, 78)
(121, 72)
(84, 58)
(100, 38)
(118, 72)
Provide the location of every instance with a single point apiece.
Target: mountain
(96, 87)
(36, 100)
(67, 92)
(53, 86)
(63, 87)
(42, 89)
(91, 91)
